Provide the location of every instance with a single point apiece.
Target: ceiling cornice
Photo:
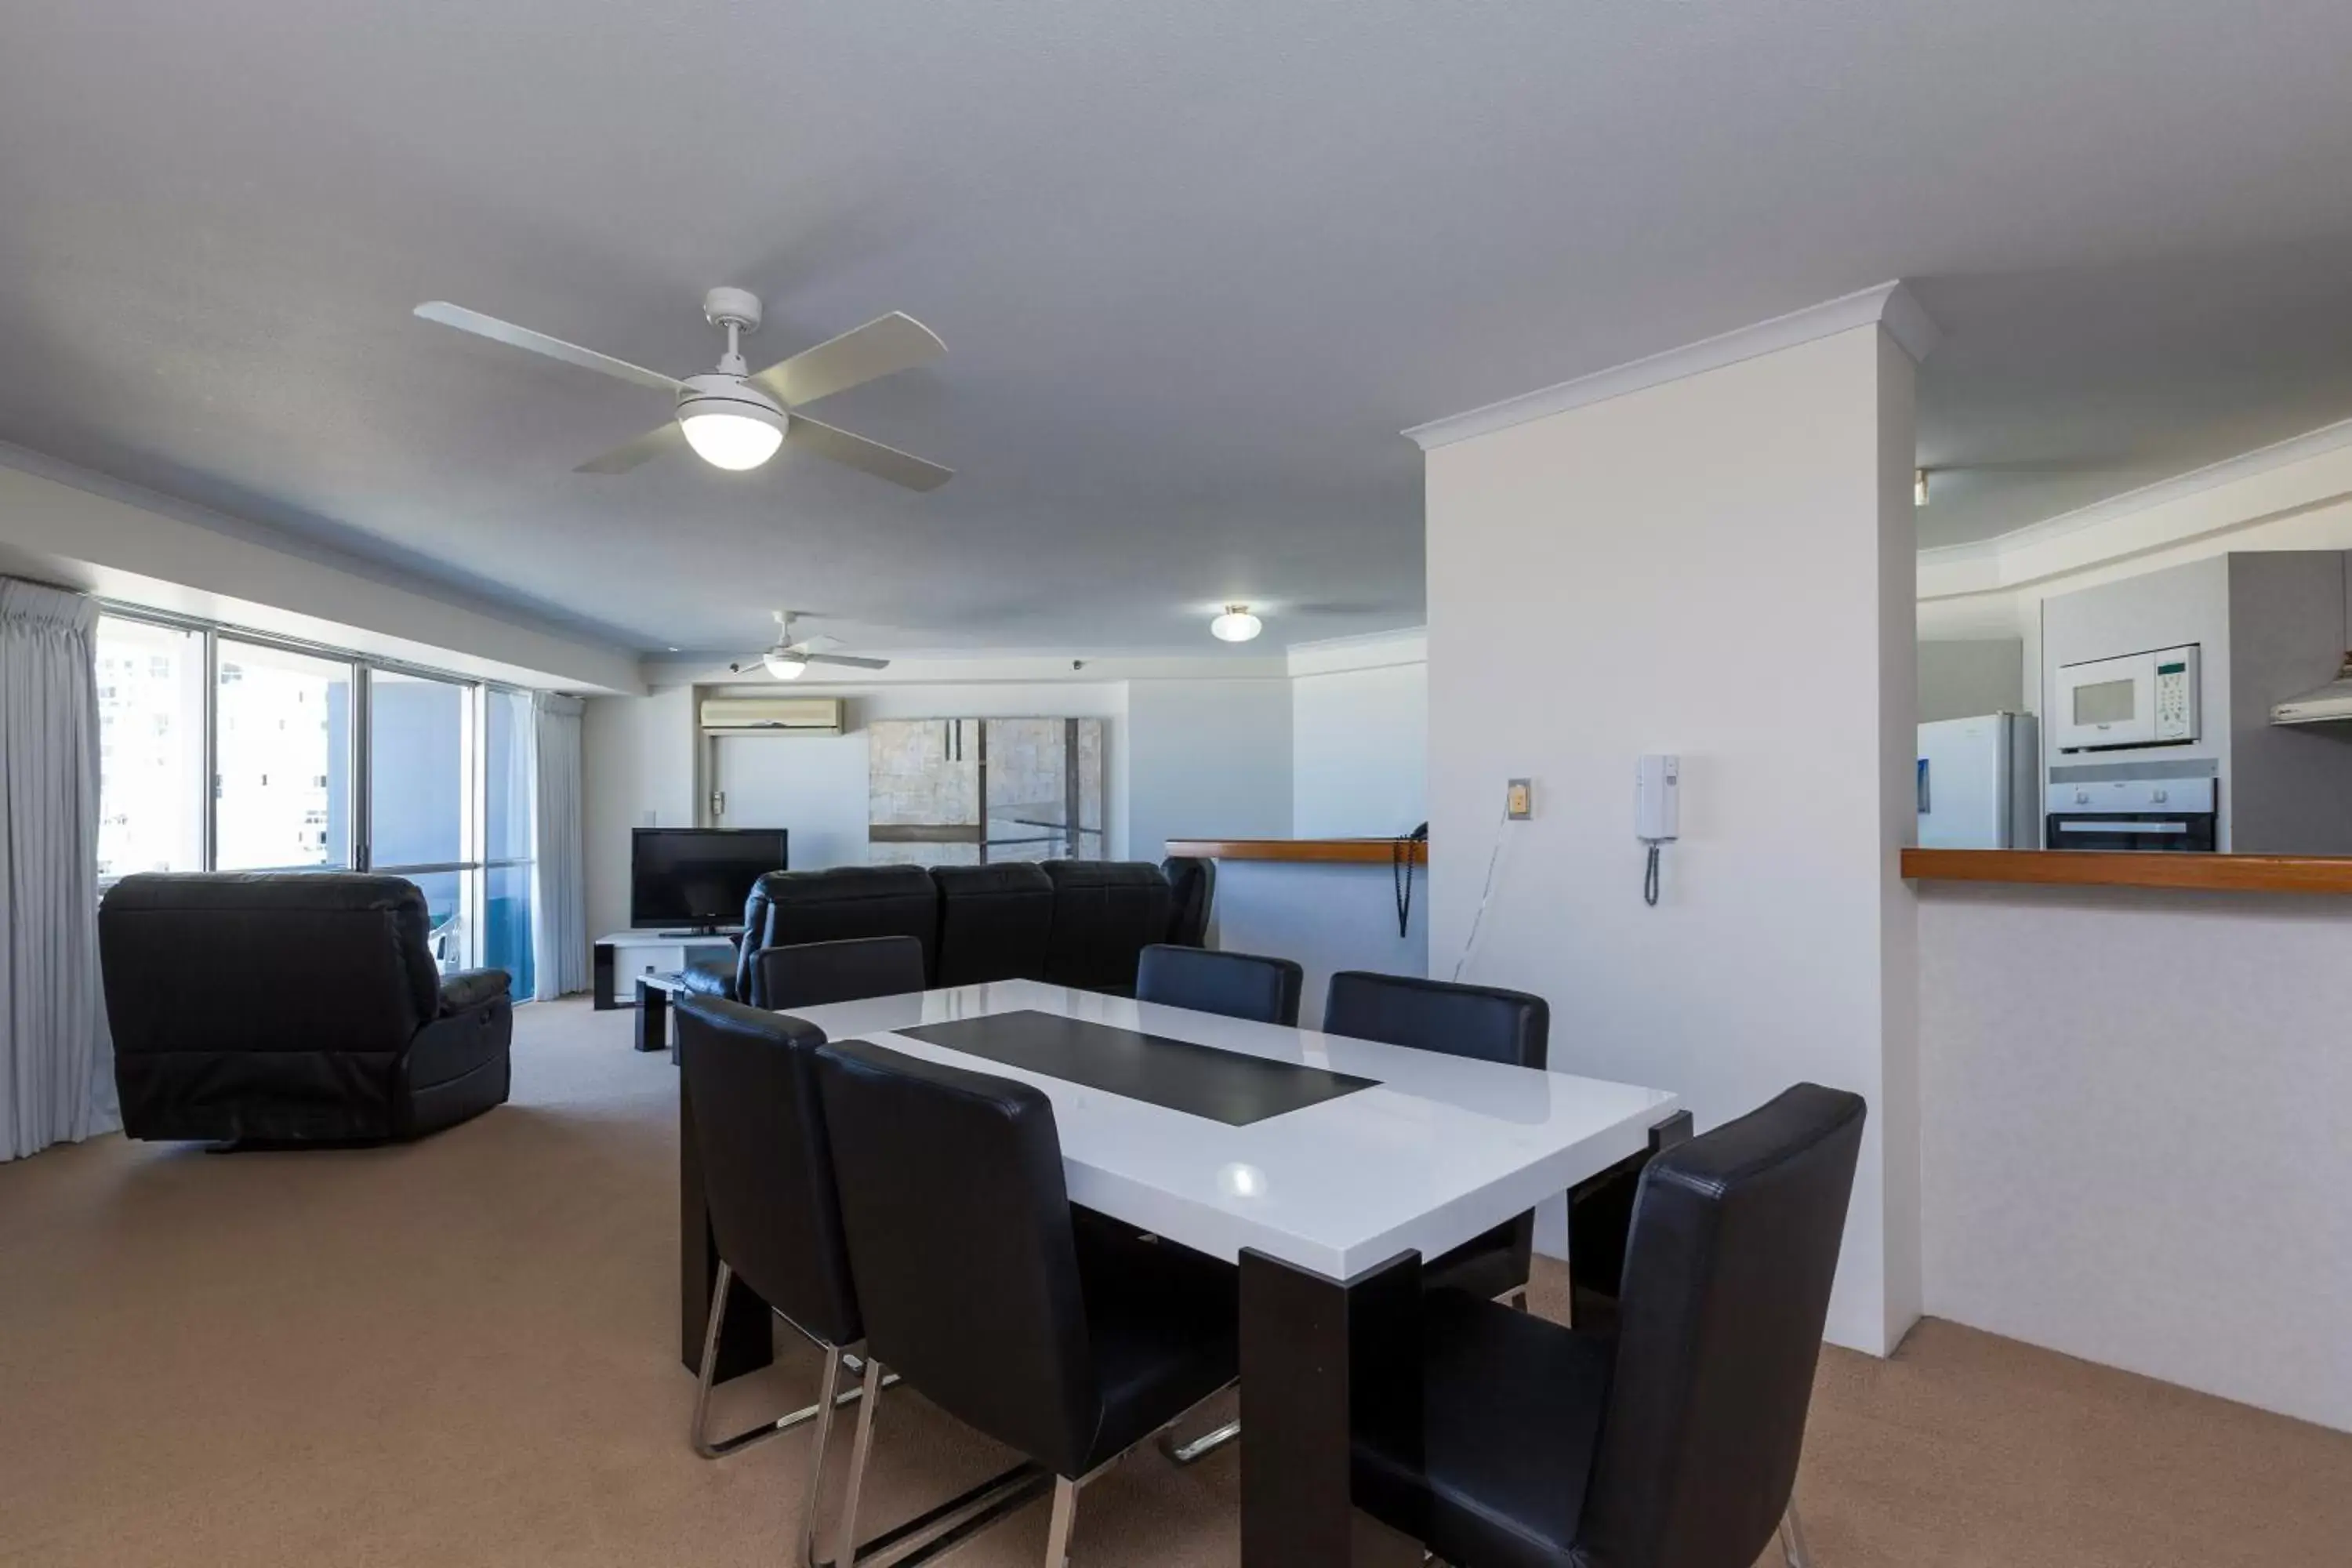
(2132, 504)
(1372, 650)
(1889, 305)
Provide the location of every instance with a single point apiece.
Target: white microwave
(2138, 700)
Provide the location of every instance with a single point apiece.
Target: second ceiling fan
(736, 419)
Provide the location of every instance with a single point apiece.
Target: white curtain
(559, 891)
(56, 1060)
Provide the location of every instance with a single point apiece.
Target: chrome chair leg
(804, 1547)
(1792, 1539)
(712, 1448)
(861, 1449)
(1200, 1447)
(1066, 1513)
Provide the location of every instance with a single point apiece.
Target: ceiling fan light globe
(784, 667)
(1237, 624)
(731, 441)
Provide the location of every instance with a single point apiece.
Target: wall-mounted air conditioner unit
(772, 715)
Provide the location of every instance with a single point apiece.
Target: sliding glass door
(233, 752)
(421, 793)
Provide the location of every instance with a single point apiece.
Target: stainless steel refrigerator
(1979, 785)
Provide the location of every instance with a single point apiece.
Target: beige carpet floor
(463, 1351)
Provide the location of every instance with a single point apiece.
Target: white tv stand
(626, 954)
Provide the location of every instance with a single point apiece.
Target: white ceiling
(1196, 266)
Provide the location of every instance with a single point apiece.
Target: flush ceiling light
(1918, 487)
(1237, 624)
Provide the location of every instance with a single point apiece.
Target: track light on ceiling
(1237, 624)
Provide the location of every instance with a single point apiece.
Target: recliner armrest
(710, 977)
(470, 988)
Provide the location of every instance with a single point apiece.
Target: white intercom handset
(1657, 811)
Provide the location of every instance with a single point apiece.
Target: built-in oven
(2139, 700)
(2135, 813)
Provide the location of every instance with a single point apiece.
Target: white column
(1712, 555)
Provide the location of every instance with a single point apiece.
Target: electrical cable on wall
(1649, 876)
(1485, 895)
(1400, 859)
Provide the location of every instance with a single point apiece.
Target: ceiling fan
(734, 419)
(789, 660)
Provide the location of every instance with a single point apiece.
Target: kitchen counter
(2102, 868)
(1303, 851)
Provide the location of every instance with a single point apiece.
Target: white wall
(2134, 1147)
(1360, 748)
(817, 787)
(637, 759)
(1207, 758)
(1324, 918)
(83, 530)
(1188, 758)
(1963, 678)
(1592, 595)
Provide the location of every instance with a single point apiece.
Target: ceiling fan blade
(506, 332)
(883, 462)
(852, 660)
(645, 448)
(895, 342)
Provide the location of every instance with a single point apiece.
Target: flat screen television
(698, 877)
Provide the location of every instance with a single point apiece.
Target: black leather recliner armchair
(301, 1007)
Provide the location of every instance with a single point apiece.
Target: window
(421, 814)
(282, 721)
(318, 760)
(150, 726)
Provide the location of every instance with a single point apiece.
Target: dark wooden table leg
(653, 1017)
(1600, 1219)
(600, 967)
(1320, 1357)
(747, 1341)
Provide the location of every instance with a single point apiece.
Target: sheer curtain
(559, 904)
(57, 1062)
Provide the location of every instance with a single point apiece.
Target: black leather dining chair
(1481, 1021)
(1069, 1344)
(774, 1210)
(1235, 984)
(1672, 1443)
(812, 974)
(1191, 896)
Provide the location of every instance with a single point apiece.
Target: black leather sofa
(292, 1007)
(1071, 922)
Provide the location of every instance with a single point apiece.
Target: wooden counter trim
(2109, 868)
(1303, 851)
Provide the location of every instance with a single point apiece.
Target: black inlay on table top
(1179, 1075)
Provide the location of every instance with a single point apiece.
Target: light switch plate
(1519, 799)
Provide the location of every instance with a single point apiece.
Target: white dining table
(1327, 1205)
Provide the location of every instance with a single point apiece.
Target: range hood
(2320, 705)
